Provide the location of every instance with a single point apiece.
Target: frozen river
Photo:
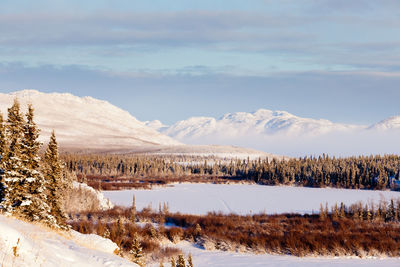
(244, 199)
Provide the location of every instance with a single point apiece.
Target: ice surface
(244, 199)
(204, 258)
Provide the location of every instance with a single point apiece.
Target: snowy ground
(39, 246)
(244, 199)
(204, 258)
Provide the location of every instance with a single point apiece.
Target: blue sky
(170, 60)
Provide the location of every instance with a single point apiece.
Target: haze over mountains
(86, 123)
(285, 133)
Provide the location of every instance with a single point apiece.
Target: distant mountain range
(89, 124)
(283, 133)
(92, 125)
(263, 123)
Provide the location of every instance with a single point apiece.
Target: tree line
(29, 185)
(362, 172)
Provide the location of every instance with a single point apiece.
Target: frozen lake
(244, 199)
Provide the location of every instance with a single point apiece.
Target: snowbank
(26, 244)
(104, 202)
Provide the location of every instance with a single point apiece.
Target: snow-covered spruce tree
(15, 193)
(136, 251)
(38, 210)
(3, 152)
(53, 175)
(181, 261)
(190, 260)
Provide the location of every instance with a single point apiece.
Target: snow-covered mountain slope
(261, 122)
(283, 133)
(85, 122)
(25, 244)
(89, 124)
(392, 123)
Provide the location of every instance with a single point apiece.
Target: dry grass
(291, 234)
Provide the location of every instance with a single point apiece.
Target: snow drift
(26, 244)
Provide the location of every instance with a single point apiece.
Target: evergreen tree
(368, 214)
(35, 192)
(322, 214)
(3, 139)
(190, 260)
(3, 152)
(181, 261)
(342, 213)
(136, 251)
(173, 264)
(53, 175)
(133, 210)
(15, 187)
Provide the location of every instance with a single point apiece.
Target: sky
(170, 60)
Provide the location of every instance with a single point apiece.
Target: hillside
(85, 122)
(26, 244)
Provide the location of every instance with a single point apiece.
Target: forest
(124, 171)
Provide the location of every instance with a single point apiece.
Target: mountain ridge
(89, 125)
(263, 121)
(85, 118)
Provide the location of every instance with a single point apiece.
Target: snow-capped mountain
(283, 133)
(85, 122)
(89, 124)
(261, 122)
(392, 123)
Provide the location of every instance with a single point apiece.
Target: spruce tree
(3, 139)
(3, 152)
(173, 264)
(190, 260)
(15, 187)
(53, 175)
(133, 210)
(136, 251)
(38, 209)
(181, 261)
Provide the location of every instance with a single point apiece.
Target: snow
(105, 203)
(40, 246)
(88, 124)
(205, 258)
(85, 122)
(387, 124)
(244, 199)
(280, 132)
(263, 121)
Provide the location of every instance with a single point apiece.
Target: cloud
(129, 28)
